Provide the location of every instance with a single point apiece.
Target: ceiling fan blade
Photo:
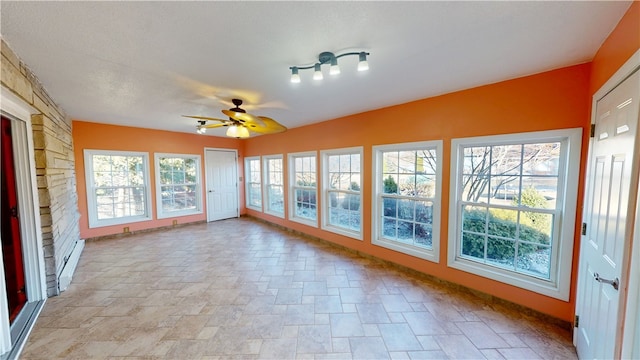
(204, 118)
(270, 126)
(244, 117)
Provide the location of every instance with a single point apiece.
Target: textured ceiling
(145, 64)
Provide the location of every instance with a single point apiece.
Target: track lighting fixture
(331, 59)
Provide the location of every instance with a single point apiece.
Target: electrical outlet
(175, 222)
(125, 230)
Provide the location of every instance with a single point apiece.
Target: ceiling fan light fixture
(363, 65)
(317, 74)
(295, 78)
(238, 132)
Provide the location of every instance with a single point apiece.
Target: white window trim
(161, 214)
(376, 237)
(247, 176)
(560, 280)
(91, 201)
(292, 188)
(265, 185)
(325, 225)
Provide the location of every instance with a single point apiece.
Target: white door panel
(222, 184)
(606, 214)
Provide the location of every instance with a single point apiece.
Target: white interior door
(222, 184)
(608, 217)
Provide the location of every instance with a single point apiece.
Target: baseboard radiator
(70, 267)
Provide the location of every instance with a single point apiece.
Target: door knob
(615, 282)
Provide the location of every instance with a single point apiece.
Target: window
(302, 183)
(253, 189)
(512, 213)
(178, 190)
(406, 198)
(342, 179)
(117, 187)
(274, 185)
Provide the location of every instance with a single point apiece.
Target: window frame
(326, 201)
(293, 187)
(558, 284)
(266, 183)
(247, 183)
(160, 212)
(92, 209)
(432, 254)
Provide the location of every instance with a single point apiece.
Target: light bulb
(317, 74)
(334, 69)
(295, 78)
(363, 65)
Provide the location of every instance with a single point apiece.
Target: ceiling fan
(240, 123)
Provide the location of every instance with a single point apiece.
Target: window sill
(540, 286)
(419, 252)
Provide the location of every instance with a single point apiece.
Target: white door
(222, 184)
(606, 210)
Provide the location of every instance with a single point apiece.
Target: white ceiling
(145, 64)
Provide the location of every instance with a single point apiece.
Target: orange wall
(623, 42)
(550, 100)
(88, 135)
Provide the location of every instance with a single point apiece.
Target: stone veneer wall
(55, 166)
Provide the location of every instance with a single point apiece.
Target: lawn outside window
(178, 189)
(253, 183)
(512, 208)
(406, 198)
(303, 207)
(342, 196)
(118, 190)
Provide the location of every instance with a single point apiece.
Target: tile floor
(243, 289)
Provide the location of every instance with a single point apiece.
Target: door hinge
(584, 229)
(593, 130)
(577, 321)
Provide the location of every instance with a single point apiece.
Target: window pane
(426, 186)
(534, 260)
(423, 235)
(475, 188)
(506, 160)
(390, 163)
(424, 212)
(389, 229)
(476, 160)
(390, 207)
(390, 184)
(473, 245)
(501, 252)
(406, 210)
(474, 219)
(536, 227)
(503, 223)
